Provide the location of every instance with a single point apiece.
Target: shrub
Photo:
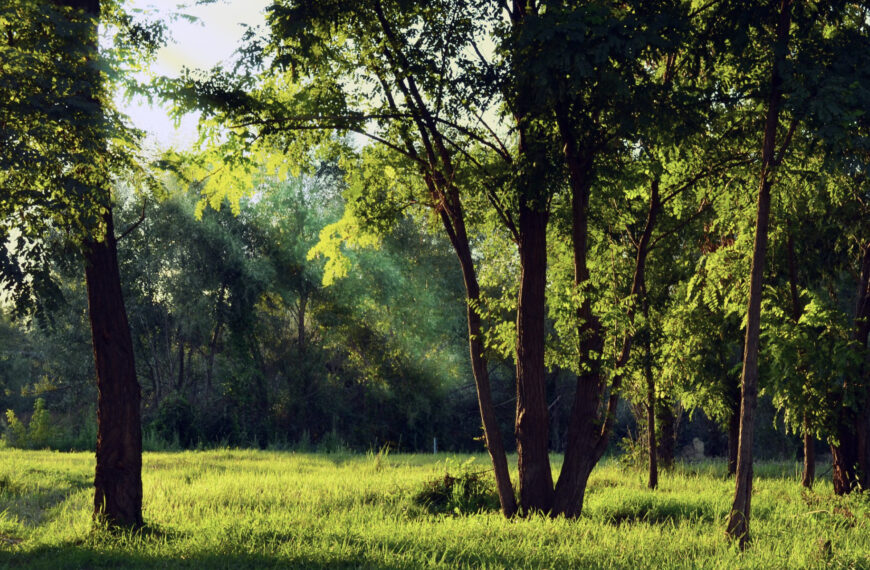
(468, 492)
(38, 434)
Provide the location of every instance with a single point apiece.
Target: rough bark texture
(532, 419)
(738, 519)
(118, 480)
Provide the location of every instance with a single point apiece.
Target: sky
(197, 45)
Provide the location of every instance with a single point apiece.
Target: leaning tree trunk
(733, 438)
(118, 480)
(738, 518)
(584, 436)
(589, 432)
(491, 432)
(440, 186)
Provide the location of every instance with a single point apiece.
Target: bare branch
(135, 224)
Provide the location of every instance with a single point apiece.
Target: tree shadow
(77, 556)
(657, 511)
(32, 504)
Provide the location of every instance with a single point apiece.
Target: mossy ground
(238, 508)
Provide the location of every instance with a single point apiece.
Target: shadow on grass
(658, 511)
(74, 556)
(32, 505)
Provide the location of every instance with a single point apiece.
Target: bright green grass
(264, 509)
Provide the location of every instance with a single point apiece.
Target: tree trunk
(809, 472)
(118, 477)
(738, 519)
(851, 454)
(588, 432)
(665, 421)
(653, 481)
(532, 419)
(118, 480)
(733, 439)
(300, 323)
(443, 192)
(491, 432)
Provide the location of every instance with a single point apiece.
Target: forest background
(618, 183)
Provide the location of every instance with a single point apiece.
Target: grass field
(275, 509)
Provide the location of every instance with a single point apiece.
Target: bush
(175, 422)
(40, 433)
(468, 492)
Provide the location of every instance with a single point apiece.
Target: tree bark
(738, 519)
(653, 480)
(733, 438)
(665, 421)
(584, 427)
(532, 419)
(809, 472)
(588, 432)
(491, 432)
(851, 454)
(118, 479)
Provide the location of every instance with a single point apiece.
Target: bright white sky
(202, 44)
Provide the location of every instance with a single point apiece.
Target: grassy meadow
(240, 508)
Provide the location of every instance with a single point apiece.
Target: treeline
(662, 203)
(237, 341)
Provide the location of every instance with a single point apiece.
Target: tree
(70, 180)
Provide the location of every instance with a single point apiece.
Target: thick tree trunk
(118, 480)
(738, 519)
(588, 432)
(532, 419)
(851, 454)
